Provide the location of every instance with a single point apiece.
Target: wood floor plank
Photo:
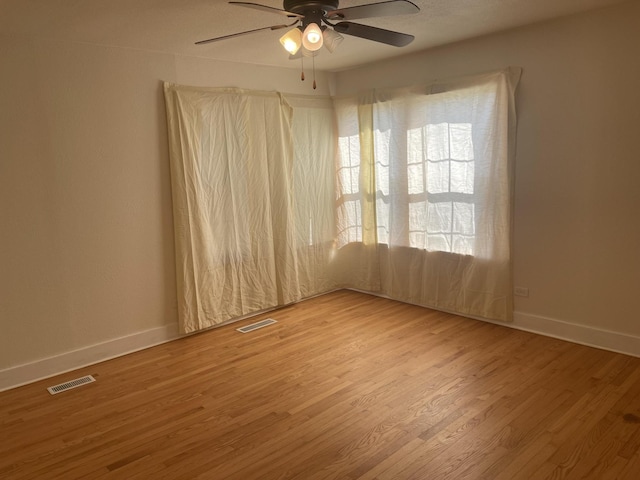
(345, 386)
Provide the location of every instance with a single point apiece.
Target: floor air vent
(255, 326)
(78, 382)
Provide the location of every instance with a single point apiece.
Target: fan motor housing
(302, 6)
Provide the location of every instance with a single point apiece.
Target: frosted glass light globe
(312, 37)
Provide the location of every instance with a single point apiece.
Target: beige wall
(577, 202)
(86, 235)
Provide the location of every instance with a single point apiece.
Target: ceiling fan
(314, 27)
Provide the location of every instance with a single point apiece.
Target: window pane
(416, 178)
(415, 146)
(439, 217)
(462, 176)
(461, 141)
(438, 177)
(438, 243)
(438, 141)
(463, 218)
(349, 168)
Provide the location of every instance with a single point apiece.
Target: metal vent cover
(255, 326)
(78, 382)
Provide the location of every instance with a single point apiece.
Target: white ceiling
(174, 25)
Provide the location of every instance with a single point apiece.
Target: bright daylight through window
(430, 158)
(439, 179)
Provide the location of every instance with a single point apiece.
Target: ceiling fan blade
(225, 37)
(382, 9)
(266, 8)
(381, 35)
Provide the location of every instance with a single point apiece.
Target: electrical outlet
(521, 291)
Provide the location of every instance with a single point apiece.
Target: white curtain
(242, 243)
(430, 212)
(402, 192)
(314, 142)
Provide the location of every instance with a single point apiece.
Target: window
(349, 211)
(434, 160)
(440, 177)
(349, 216)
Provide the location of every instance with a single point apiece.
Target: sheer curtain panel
(231, 155)
(314, 142)
(434, 167)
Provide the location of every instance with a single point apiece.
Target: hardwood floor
(344, 386)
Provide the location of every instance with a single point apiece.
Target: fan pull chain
(313, 62)
(302, 71)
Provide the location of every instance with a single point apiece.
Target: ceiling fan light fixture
(292, 41)
(331, 39)
(312, 37)
(315, 28)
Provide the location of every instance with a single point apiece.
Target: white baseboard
(572, 332)
(48, 367)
